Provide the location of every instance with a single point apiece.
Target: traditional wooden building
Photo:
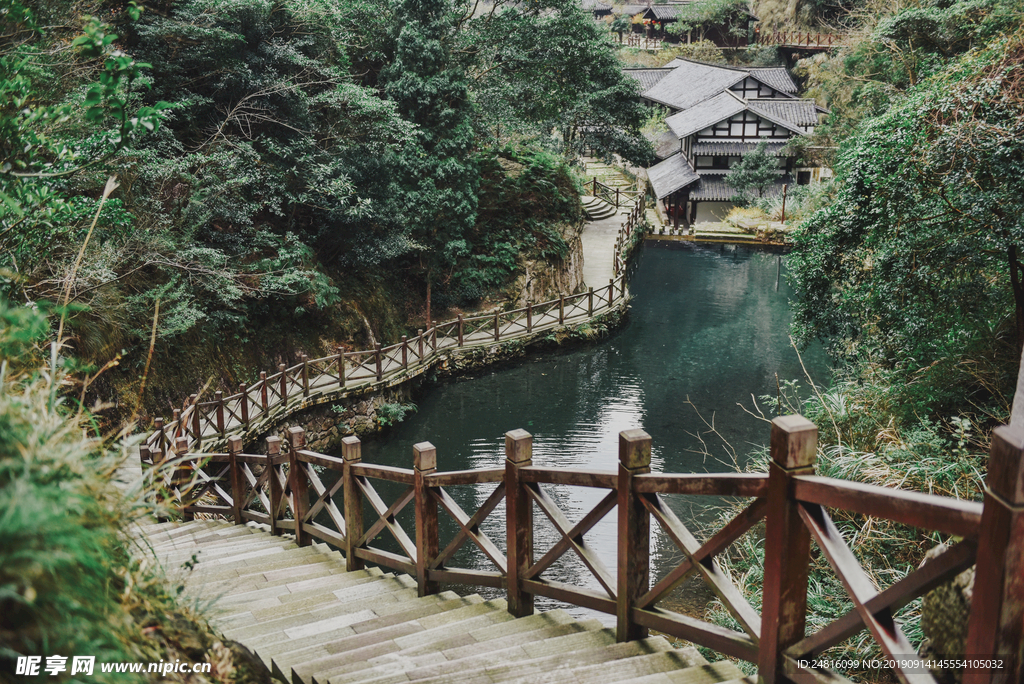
(717, 115)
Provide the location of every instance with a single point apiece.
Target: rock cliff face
(543, 281)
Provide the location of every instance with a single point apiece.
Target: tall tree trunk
(1018, 293)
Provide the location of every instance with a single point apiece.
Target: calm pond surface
(708, 331)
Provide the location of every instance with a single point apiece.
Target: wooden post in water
(518, 520)
(634, 533)
(351, 452)
(379, 362)
(281, 368)
(787, 545)
(300, 498)
(235, 474)
(427, 541)
(305, 375)
(996, 626)
(243, 389)
(276, 491)
(219, 398)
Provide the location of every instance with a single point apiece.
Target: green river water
(707, 331)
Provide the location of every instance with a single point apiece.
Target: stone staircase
(597, 209)
(312, 622)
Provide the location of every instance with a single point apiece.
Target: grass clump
(73, 582)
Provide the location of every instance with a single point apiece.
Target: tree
(621, 24)
(701, 17)
(439, 175)
(915, 266)
(756, 171)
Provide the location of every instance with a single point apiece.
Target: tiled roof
(647, 77)
(715, 189)
(795, 111)
(633, 10)
(670, 175)
(776, 77)
(664, 12)
(691, 83)
(665, 145)
(595, 6)
(704, 114)
(733, 149)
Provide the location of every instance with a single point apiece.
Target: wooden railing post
(427, 546)
(182, 478)
(996, 625)
(264, 399)
(351, 452)
(219, 398)
(341, 365)
(787, 546)
(497, 327)
(305, 375)
(276, 491)
(616, 198)
(197, 422)
(561, 309)
(529, 317)
(590, 302)
(243, 389)
(634, 533)
(176, 422)
(460, 330)
(379, 361)
(405, 352)
(281, 368)
(297, 483)
(419, 342)
(518, 520)
(161, 438)
(235, 473)
(145, 457)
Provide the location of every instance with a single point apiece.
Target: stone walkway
(313, 622)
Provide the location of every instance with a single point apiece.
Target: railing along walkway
(799, 39)
(286, 490)
(256, 407)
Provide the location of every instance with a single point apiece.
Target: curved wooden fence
(285, 490)
(257, 407)
(799, 39)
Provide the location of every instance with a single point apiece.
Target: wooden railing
(285, 490)
(640, 41)
(617, 197)
(259, 405)
(799, 39)
(625, 240)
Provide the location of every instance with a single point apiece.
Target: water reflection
(708, 331)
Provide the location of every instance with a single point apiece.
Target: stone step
(204, 537)
(380, 630)
(619, 670)
(238, 585)
(249, 566)
(553, 624)
(302, 588)
(722, 672)
(219, 549)
(568, 652)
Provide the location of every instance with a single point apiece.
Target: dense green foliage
(754, 173)
(72, 582)
(276, 160)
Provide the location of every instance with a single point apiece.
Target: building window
(803, 177)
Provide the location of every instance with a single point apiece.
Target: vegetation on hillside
(275, 160)
(72, 582)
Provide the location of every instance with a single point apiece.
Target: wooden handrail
(207, 423)
(792, 501)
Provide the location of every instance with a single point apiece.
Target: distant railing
(799, 39)
(639, 41)
(284, 490)
(257, 406)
